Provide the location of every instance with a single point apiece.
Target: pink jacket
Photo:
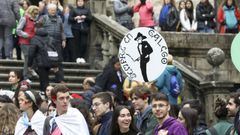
(145, 13)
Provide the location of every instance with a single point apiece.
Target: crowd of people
(184, 17)
(109, 104)
(29, 28)
(97, 111)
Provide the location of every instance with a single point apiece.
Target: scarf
(36, 123)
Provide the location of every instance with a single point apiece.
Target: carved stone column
(214, 86)
(212, 90)
(105, 49)
(95, 50)
(98, 6)
(113, 50)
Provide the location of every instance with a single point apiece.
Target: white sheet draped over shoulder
(36, 123)
(71, 123)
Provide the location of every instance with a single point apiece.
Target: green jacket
(146, 122)
(221, 127)
(21, 11)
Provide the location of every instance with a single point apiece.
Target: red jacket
(221, 18)
(145, 13)
(29, 28)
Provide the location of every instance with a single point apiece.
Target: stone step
(72, 79)
(75, 72)
(75, 87)
(19, 63)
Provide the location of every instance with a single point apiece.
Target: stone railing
(189, 51)
(188, 48)
(106, 36)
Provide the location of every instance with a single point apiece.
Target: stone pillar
(113, 50)
(105, 48)
(215, 85)
(98, 6)
(212, 90)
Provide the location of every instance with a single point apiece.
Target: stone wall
(188, 48)
(191, 49)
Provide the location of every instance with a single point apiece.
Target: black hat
(140, 35)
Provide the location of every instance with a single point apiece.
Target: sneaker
(33, 73)
(82, 60)
(78, 60)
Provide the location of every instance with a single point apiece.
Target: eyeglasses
(158, 105)
(95, 105)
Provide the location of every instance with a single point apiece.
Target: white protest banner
(143, 54)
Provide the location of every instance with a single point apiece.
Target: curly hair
(220, 108)
(9, 115)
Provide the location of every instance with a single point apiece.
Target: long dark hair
(30, 95)
(191, 116)
(233, 3)
(207, 4)
(189, 11)
(19, 75)
(114, 126)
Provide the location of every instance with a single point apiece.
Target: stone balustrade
(189, 51)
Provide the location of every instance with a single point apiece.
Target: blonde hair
(170, 59)
(31, 9)
(9, 115)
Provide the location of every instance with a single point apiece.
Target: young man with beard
(166, 123)
(233, 111)
(65, 120)
(144, 118)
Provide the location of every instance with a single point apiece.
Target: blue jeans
(206, 30)
(6, 41)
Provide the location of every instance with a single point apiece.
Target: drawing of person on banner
(144, 50)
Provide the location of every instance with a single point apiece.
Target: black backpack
(49, 53)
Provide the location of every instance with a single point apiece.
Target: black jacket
(205, 15)
(36, 50)
(108, 80)
(172, 20)
(83, 26)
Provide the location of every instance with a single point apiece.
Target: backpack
(49, 53)
(174, 86)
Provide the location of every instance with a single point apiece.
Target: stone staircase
(74, 74)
